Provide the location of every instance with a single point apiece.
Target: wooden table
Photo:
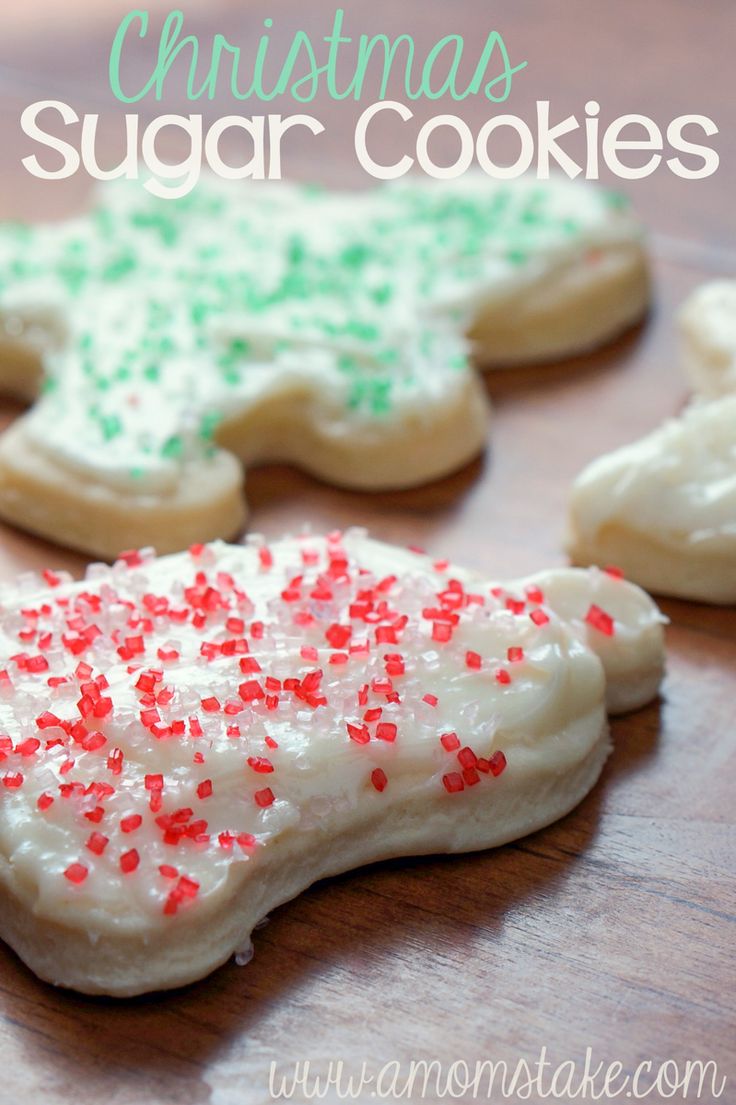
(613, 929)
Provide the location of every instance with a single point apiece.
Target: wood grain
(613, 929)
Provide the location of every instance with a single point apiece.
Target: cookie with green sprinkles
(164, 344)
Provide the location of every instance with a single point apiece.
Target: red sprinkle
(358, 733)
(497, 763)
(261, 764)
(450, 741)
(94, 741)
(97, 843)
(264, 797)
(453, 782)
(467, 757)
(131, 557)
(379, 780)
(129, 861)
(28, 746)
(76, 873)
(600, 620)
(115, 761)
(47, 720)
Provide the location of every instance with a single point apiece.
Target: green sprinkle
(173, 448)
(382, 294)
(208, 425)
(617, 201)
(296, 251)
(239, 347)
(355, 256)
(111, 426)
(118, 268)
(198, 312)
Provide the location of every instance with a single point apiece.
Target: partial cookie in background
(708, 332)
(193, 740)
(181, 339)
(664, 508)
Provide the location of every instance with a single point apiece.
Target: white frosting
(179, 314)
(556, 683)
(678, 484)
(708, 332)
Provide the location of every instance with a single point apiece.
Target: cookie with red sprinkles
(188, 741)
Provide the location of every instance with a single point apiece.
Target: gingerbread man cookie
(193, 740)
(174, 341)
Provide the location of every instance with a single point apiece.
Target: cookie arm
(618, 621)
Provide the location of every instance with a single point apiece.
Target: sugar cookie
(708, 333)
(664, 508)
(193, 740)
(181, 339)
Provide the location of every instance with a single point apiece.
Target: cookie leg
(568, 312)
(50, 500)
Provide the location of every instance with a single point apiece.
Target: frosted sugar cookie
(708, 334)
(181, 339)
(193, 740)
(664, 508)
